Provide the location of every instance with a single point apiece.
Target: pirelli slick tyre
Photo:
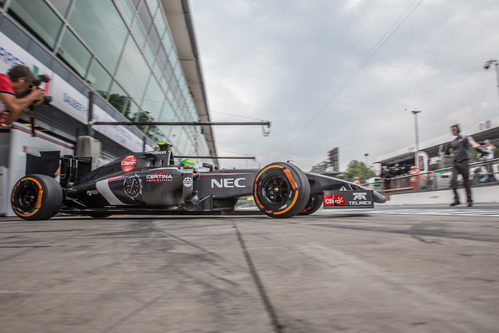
(281, 190)
(313, 204)
(36, 197)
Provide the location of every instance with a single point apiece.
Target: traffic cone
(357, 181)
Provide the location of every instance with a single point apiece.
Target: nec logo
(359, 196)
(227, 182)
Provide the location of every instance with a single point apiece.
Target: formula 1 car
(151, 183)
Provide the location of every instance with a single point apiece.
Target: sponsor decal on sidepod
(227, 182)
(187, 181)
(159, 177)
(128, 163)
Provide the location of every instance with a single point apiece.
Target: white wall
(483, 194)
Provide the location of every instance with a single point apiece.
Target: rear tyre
(36, 197)
(313, 204)
(281, 190)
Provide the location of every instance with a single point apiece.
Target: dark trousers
(463, 168)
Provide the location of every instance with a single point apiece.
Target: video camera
(36, 84)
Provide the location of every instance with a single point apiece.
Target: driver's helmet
(186, 164)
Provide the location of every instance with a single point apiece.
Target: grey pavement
(353, 271)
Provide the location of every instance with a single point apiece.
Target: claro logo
(128, 163)
(227, 182)
(334, 200)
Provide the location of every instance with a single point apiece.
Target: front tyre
(281, 190)
(36, 197)
(313, 204)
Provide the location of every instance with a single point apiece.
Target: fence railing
(482, 173)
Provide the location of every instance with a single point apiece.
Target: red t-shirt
(5, 88)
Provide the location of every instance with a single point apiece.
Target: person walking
(489, 147)
(459, 147)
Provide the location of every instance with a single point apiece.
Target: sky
(344, 73)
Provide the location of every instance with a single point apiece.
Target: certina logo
(359, 196)
(159, 177)
(334, 200)
(228, 182)
(128, 163)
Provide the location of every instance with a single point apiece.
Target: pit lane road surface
(335, 271)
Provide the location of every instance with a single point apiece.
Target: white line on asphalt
(465, 212)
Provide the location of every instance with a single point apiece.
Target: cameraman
(17, 82)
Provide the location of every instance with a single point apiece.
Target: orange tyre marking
(38, 201)
(256, 180)
(291, 179)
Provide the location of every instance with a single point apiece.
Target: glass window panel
(167, 42)
(174, 104)
(99, 79)
(175, 138)
(167, 113)
(161, 135)
(127, 8)
(155, 134)
(153, 5)
(154, 39)
(133, 72)
(160, 22)
(177, 95)
(163, 83)
(169, 95)
(61, 6)
(156, 69)
(74, 53)
(139, 32)
(161, 57)
(148, 53)
(145, 116)
(38, 18)
(133, 111)
(178, 71)
(119, 99)
(182, 142)
(168, 71)
(153, 99)
(144, 16)
(95, 21)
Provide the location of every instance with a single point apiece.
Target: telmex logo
(128, 163)
(334, 200)
(227, 182)
(359, 196)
